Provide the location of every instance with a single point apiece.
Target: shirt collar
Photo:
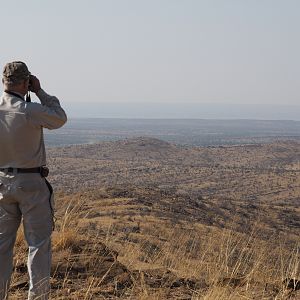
(16, 94)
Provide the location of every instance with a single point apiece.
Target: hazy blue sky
(197, 51)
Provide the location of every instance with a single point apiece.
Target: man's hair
(14, 73)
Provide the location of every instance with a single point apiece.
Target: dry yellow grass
(233, 265)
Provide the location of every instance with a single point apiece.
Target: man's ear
(25, 83)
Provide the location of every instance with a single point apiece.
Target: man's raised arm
(49, 113)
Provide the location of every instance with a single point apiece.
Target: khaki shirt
(21, 129)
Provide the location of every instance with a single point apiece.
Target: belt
(44, 171)
(21, 170)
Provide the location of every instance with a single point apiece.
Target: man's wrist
(39, 92)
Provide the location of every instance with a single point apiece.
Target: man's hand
(34, 84)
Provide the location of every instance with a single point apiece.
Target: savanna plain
(143, 218)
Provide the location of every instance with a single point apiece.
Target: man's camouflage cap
(15, 71)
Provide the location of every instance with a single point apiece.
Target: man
(24, 192)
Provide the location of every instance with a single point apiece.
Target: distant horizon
(188, 110)
(182, 131)
(170, 118)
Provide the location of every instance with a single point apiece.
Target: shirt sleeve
(48, 114)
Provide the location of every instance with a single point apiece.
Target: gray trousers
(27, 196)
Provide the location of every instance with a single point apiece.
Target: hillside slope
(145, 219)
(212, 185)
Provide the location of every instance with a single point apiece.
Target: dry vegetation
(144, 219)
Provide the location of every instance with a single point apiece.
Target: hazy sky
(199, 51)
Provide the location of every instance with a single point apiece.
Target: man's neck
(17, 89)
(16, 94)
